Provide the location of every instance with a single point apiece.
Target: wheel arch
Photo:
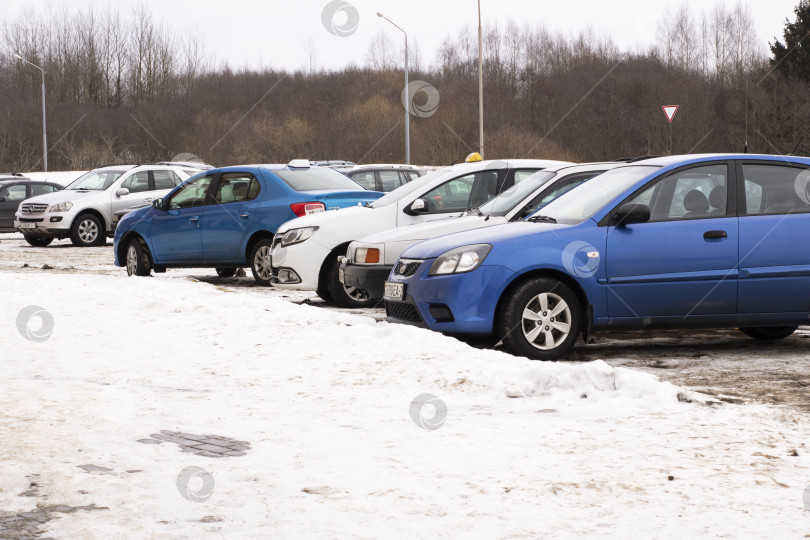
(340, 249)
(95, 213)
(254, 239)
(519, 280)
(123, 243)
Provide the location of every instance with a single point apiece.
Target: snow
(57, 177)
(323, 397)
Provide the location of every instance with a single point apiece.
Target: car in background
(14, 189)
(385, 178)
(306, 250)
(225, 218)
(706, 241)
(514, 204)
(337, 164)
(83, 211)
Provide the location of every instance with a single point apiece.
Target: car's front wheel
(260, 263)
(87, 231)
(38, 241)
(769, 333)
(226, 272)
(139, 261)
(348, 297)
(540, 319)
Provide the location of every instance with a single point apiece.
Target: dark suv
(385, 178)
(14, 189)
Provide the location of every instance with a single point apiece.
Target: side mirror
(630, 213)
(158, 203)
(419, 206)
(120, 192)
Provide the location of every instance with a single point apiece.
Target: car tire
(260, 262)
(226, 272)
(347, 297)
(769, 333)
(87, 231)
(138, 259)
(38, 241)
(540, 319)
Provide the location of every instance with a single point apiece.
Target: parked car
(676, 242)
(83, 211)
(14, 189)
(225, 218)
(306, 250)
(514, 204)
(385, 178)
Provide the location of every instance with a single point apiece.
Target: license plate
(394, 291)
(25, 225)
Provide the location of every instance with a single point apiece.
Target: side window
(389, 180)
(236, 187)
(166, 179)
(776, 189)
(13, 193)
(523, 174)
(365, 179)
(41, 190)
(452, 196)
(408, 176)
(696, 193)
(137, 182)
(191, 194)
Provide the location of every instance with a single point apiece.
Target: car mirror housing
(158, 203)
(419, 206)
(629, 213)
(120, 192)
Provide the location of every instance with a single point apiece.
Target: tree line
(124, 88)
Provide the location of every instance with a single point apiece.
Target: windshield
(96, 180)
(316, 179)
(506, 201)
(584, 201)
(407, 189)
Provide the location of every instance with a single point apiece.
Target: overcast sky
(275, 33)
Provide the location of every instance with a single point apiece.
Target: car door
(683, 262)
(228, 218)
(10, 199)
(140, 192)
(176, 232)
(774, 253)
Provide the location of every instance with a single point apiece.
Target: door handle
(194, 219)
(244, 215)
(713, 235)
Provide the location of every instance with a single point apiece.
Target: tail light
(306, 208)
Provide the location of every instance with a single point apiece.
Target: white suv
(306, 250)
(84, 211)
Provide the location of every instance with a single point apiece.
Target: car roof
(383, 166)
(686, 159)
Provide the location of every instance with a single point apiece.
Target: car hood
(324, 219)
(65, 195)
(490, 235)
(432, 229)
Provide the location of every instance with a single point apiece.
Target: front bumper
(54, 226)
(453, 304)
(300, 261)
(367, 277)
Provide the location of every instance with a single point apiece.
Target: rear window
(315, 179)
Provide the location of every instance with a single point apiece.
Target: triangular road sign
(670, 111)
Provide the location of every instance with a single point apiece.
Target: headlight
(296, 236)
(367, 255)
(61, 207)
(460, 260)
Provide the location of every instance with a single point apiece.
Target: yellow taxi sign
(475, 156)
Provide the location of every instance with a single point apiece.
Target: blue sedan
(226, 218)
(708, 241)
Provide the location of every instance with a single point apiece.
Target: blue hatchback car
(225, 218)
(706, 241)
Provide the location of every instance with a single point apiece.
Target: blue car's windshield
(506, 201)
(316, 179)
(584, 201)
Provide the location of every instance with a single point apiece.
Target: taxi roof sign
(475, 156)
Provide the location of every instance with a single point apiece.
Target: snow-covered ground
(57, 177)
(324, 398)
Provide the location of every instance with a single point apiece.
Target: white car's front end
(51, 215)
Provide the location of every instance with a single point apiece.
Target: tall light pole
(407, 109)
(480, 87)
(44, 121)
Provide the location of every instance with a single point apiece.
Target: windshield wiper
(542, 219)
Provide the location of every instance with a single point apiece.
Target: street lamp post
(44, 121)
(407, 109)
(480, 87)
